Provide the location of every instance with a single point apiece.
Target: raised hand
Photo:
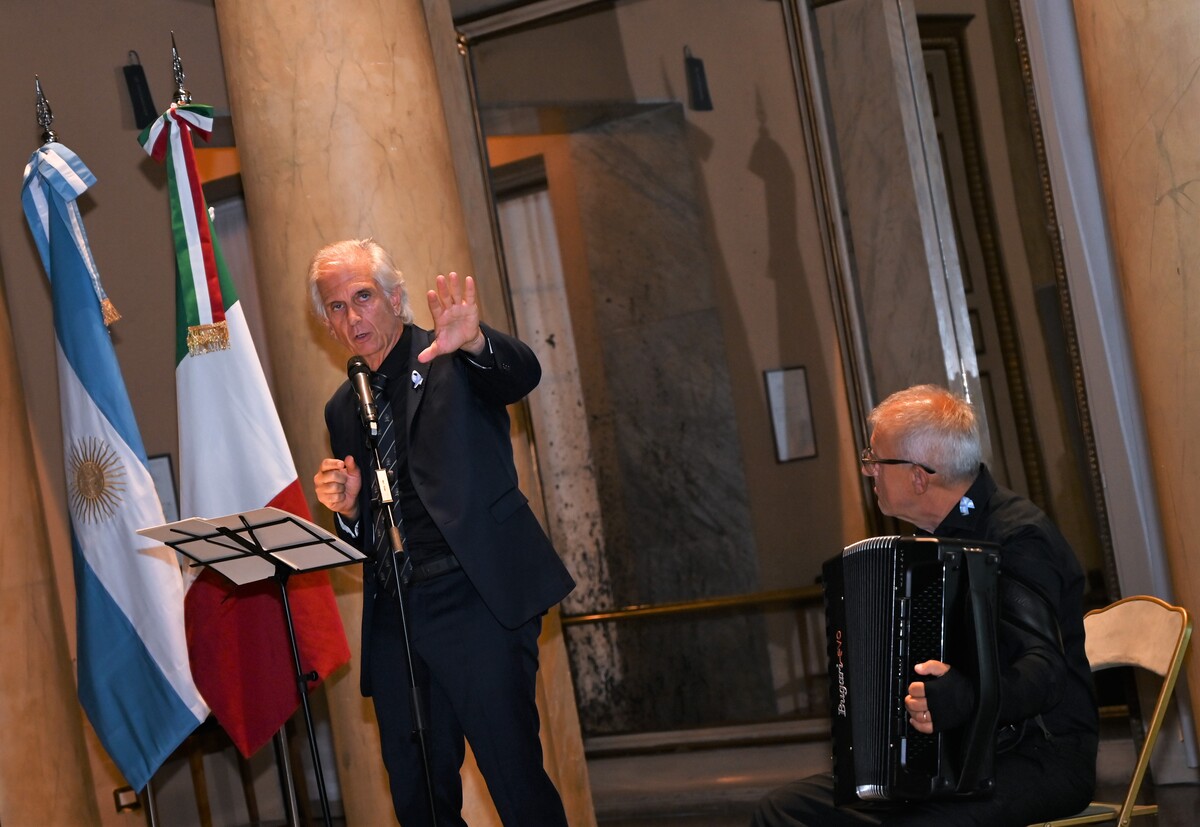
(455, 318)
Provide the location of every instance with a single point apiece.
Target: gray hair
(934, 427)
(375, 259)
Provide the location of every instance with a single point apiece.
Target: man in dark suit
(478, 572)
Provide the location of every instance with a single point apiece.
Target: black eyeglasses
(868, 458)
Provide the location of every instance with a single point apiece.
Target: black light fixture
(144, 112)
(697, 83)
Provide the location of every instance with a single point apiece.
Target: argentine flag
(135, 683)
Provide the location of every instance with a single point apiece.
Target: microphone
(360, 377)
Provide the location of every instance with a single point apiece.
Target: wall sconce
(697, 83)
(144, 112)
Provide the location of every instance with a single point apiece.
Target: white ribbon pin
(965, 505)
(417, 379)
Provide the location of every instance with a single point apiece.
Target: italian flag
(233, 458)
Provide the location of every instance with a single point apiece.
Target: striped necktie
(386, 445)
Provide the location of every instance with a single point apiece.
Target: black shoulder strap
(980, 735)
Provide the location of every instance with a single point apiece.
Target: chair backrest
(1140, 631)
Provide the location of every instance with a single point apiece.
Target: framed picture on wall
(163, 474)
(791, 414)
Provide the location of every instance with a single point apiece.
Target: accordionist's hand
(916, 701)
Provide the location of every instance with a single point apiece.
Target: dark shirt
(422, 538)
(1035, 679)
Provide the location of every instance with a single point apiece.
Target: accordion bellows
(891, 603)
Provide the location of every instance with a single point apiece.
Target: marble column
(341, 132)
(44, 765)
(1139, 61)
(908, 279)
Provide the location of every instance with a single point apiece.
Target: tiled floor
(711, 787)
(719, 787)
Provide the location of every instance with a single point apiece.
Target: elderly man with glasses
(925, 461)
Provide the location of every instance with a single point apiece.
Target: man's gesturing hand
(337, 483)
(455, 318)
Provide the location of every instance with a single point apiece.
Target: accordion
(891, 603)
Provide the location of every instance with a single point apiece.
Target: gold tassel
(207, 338)
(108, 312)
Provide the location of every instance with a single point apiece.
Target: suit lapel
(418, 374)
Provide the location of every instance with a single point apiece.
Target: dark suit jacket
(461, 461)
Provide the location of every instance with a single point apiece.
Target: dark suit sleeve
(1032, 682)
(514, 372)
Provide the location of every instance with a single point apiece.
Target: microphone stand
(396, 544)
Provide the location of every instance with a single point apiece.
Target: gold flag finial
(44, 116)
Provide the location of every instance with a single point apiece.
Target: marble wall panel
(636, 177)
(665, 370)
(679, 484)
(683, 494)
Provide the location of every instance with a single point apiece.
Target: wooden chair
(1140, 631)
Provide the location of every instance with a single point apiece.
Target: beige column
(1139, 61)
(44, 773)
(341, 132)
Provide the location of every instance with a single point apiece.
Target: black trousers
(1036, 780)
(477, 680)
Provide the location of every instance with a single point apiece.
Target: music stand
(255, 545)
